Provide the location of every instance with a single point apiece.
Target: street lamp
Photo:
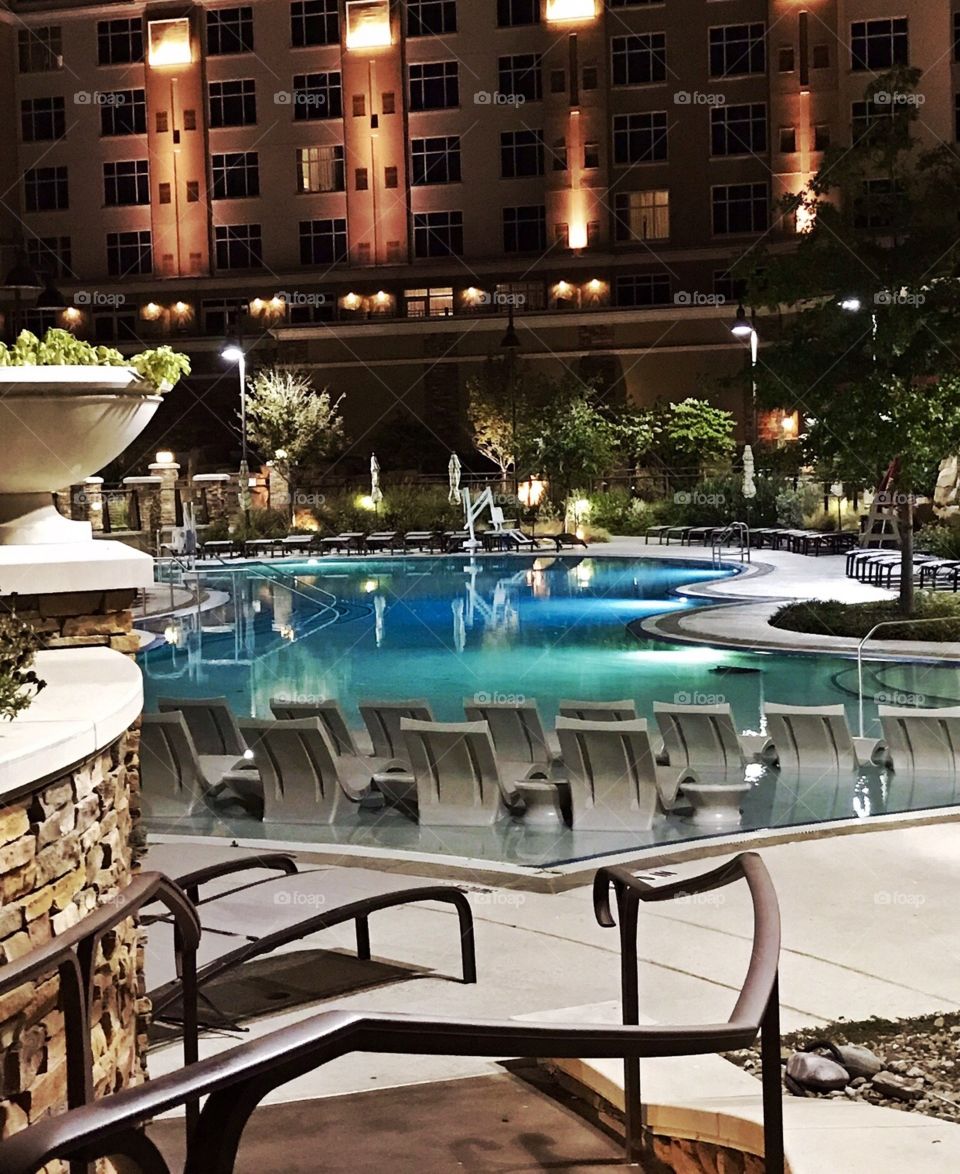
(510, 343)
(232, 350)
(744, 327)
(853, 305)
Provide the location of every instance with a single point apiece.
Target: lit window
(368, 23)
(169, 41)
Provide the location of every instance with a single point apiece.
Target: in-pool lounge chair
(599, 711)
(383, 719)
(214, 730)
(705, 738)
(460, 782)
(175, 780)
(813, 739)
(920, 741)
(252, 904)
(518, 734)
(615, 783)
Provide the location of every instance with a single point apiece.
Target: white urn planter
(60, 425)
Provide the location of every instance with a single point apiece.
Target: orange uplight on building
(71, 314)
(578, 234)
(805, 219)
(169, 42)
(531, 492)
(560, 10)
(181, 309)
(151, 312)
(368, 24)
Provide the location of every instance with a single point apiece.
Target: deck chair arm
(190, 882)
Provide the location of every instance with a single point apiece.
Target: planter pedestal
(29, 518)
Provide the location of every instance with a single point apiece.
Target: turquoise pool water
(548, 628)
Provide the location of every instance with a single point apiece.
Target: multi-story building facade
(375, 182)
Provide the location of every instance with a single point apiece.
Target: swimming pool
(448, 629)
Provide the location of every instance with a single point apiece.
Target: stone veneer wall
(682, 1156)
(65, 849)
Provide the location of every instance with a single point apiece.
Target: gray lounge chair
(920, 741)
(599, 711)
(300, 544)
(459, 783)
(805, 739)
(518, 734)
(705, 738)
(384, 540)
(174, 779)
(615, 784)
(300, 770)
(211, 721)
(382, 719)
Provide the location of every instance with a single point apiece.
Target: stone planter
(60, 425)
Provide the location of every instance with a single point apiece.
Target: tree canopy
(289, 422)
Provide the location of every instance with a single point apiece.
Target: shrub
(943, 538)
(19, 684)
(832, 618)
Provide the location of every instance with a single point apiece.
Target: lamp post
(511, 345)
(744, 327)
(232, 350)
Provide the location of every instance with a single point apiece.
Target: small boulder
(859, 1061)
(817, 1072)
(898, 1088)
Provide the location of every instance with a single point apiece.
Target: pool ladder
(737, 534)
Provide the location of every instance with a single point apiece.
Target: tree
(572, 441)
(290, 422)
(498, 399)
(692, 433)
(879, 383)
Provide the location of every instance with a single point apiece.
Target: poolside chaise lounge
(220, 548)
(300, 544)
(175, 780)
(920, 741)
(460, 782)
(615, 784)
(261, 546)
(384, 540)
(346, 541)
(599, 711)
(423, 540)
(703, 737)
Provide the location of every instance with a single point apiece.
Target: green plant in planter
(19, 684)
(161, 366)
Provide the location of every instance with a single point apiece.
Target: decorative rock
(890, 1084)
(859, 1061)
(817, 1072)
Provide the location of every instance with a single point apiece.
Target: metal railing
(888, 624)
(235, 1082)
(736, 530)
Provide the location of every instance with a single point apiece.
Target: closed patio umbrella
(749, 485)
(376, 493)
(454, 472)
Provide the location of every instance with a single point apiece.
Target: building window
(727, 286)
(529, 294)
(786, 59)
(642, 216)
(879, 44)
(315, 22)
(388, 103)
(391, 177)
(126, 182)
(163, 122)
(866, 115)
(189, 120)
(737, 49)
(591, 156)
(558, 155)
(642, 289)
(40, 49)
(788, 140)
(129, 253)
(238, 246)
(521, 153)
(521, 75)
(236, 175)
(361, 179)
(438, 234)
(879, 205)
(525, 229)
(430, 18)
(639, 59)
(323, 242)
(123, 112)
(741, 207)
(320, 169)
(515, 12)
(45, 189)
(821, 137)
(738, 130)
(42, 119)
(193, 191)
(317, 96)
(820, 57)
(640, 138)
(233, 103)
(50, 255)
(435, 160)
(956, 118)
(434, 86)
(164, 193)
(229, 30)
(359, 105)
(120, 42)
(956, 37)
(429, 303)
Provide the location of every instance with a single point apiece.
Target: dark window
(163, 193)
(50, 255)
(42, 119)
(438, 234)
(233, 103)
(359, 105)
(391, 177)
(229, 30)
(525, 229)
(388, 103)
(867, 115)
(740, 207)
(320, 169)
(639, 59)
(361, 179)
(738, 130)
(514, 12)
(880, 204)
(956, 37)
(435, 160)
(737, 49)
(521, 74)
(238, 246)
(236, 175)
(640, 138)
(40, 49)
(120, 42)
(821, 137)
(46, 188)
(788, 139)
(126, 182)
(521, 153)
(315, 22)
(434, 86)
(643, 289)
(123, 112)
(316, 96)
(879, 44)
(591, 156)
(728, 287)
(129, 252)
(786, 59)
(163, 122)
(193, 191)
(323, 242)
(426, 18)
(189, 120)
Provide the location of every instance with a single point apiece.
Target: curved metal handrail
(235, 1082)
